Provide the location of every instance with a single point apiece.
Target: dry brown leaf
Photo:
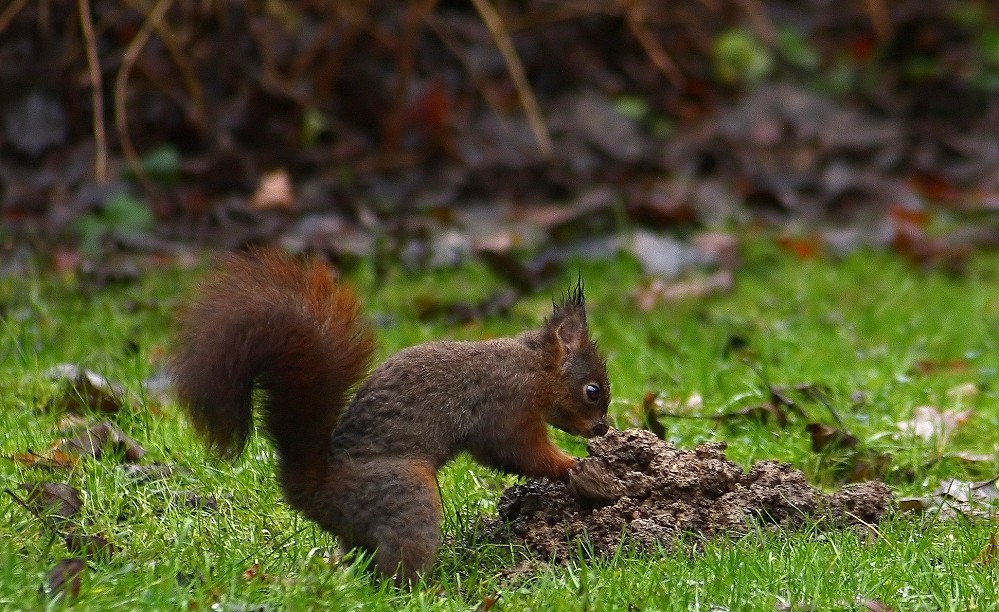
(65, 577)
(274, 192)
(963, 392)
(957, 497)
(971, 457)
(53, 460)
(196, 501)
(873, 605)
(988, 555)
(253, 573)
(930, 423)
(721, 247)
(983, 491)
(100, 439)
(52, 500)
(661, 292)
(85, 390)
(803, 248)
(488, 602)
(90, 546)
(926, 367)
(825, 437)
(868, 465)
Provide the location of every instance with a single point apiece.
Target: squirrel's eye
(592, 391)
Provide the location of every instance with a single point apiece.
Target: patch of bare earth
(664, 493)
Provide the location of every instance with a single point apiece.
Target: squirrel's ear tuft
(568, 320)
(573, 298)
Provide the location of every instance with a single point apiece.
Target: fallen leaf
(665, 257)
(720, 247)
(53, 460)
(971, 457)
(196, 501)
(71, 421)
(963, 392)
(253, 573)
(149, 472)
(868, 465)
(825, 437)
(917, 503)
(917, 217)
(873, 605)
(964, 491)
(957, 498)
(274, 192)
(803, 248)
(663, 204)
(90, 546)
(65, 577)
(488, 602)
(988, 555)
(662, 292)
(926, 367)
(925, 251)
(84, 390)
(100, 439)
(54, 501)
(931, 423)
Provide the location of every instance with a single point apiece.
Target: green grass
(859, 326)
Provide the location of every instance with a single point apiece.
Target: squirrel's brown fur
(367, 473)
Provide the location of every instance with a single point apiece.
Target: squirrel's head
(584, 394)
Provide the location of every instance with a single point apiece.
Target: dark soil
(667, 493)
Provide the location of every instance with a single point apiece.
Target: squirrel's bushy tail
(265, 321)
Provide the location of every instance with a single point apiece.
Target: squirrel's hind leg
(395, 512)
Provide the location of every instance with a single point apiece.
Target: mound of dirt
(664, 493)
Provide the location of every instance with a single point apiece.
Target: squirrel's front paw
(589, 481)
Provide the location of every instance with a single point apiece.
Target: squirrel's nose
(599, 429)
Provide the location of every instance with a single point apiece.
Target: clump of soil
(664, 493)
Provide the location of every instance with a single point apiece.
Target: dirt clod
(665, 493)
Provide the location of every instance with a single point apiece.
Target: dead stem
(516, 69)
(97, 87)
(880, 18)
(121, 87)
(634, 15)
(761, 23)
(10, 12)
(195, 106)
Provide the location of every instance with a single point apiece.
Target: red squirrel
(365, 469)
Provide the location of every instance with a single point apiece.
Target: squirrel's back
(434, 399)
